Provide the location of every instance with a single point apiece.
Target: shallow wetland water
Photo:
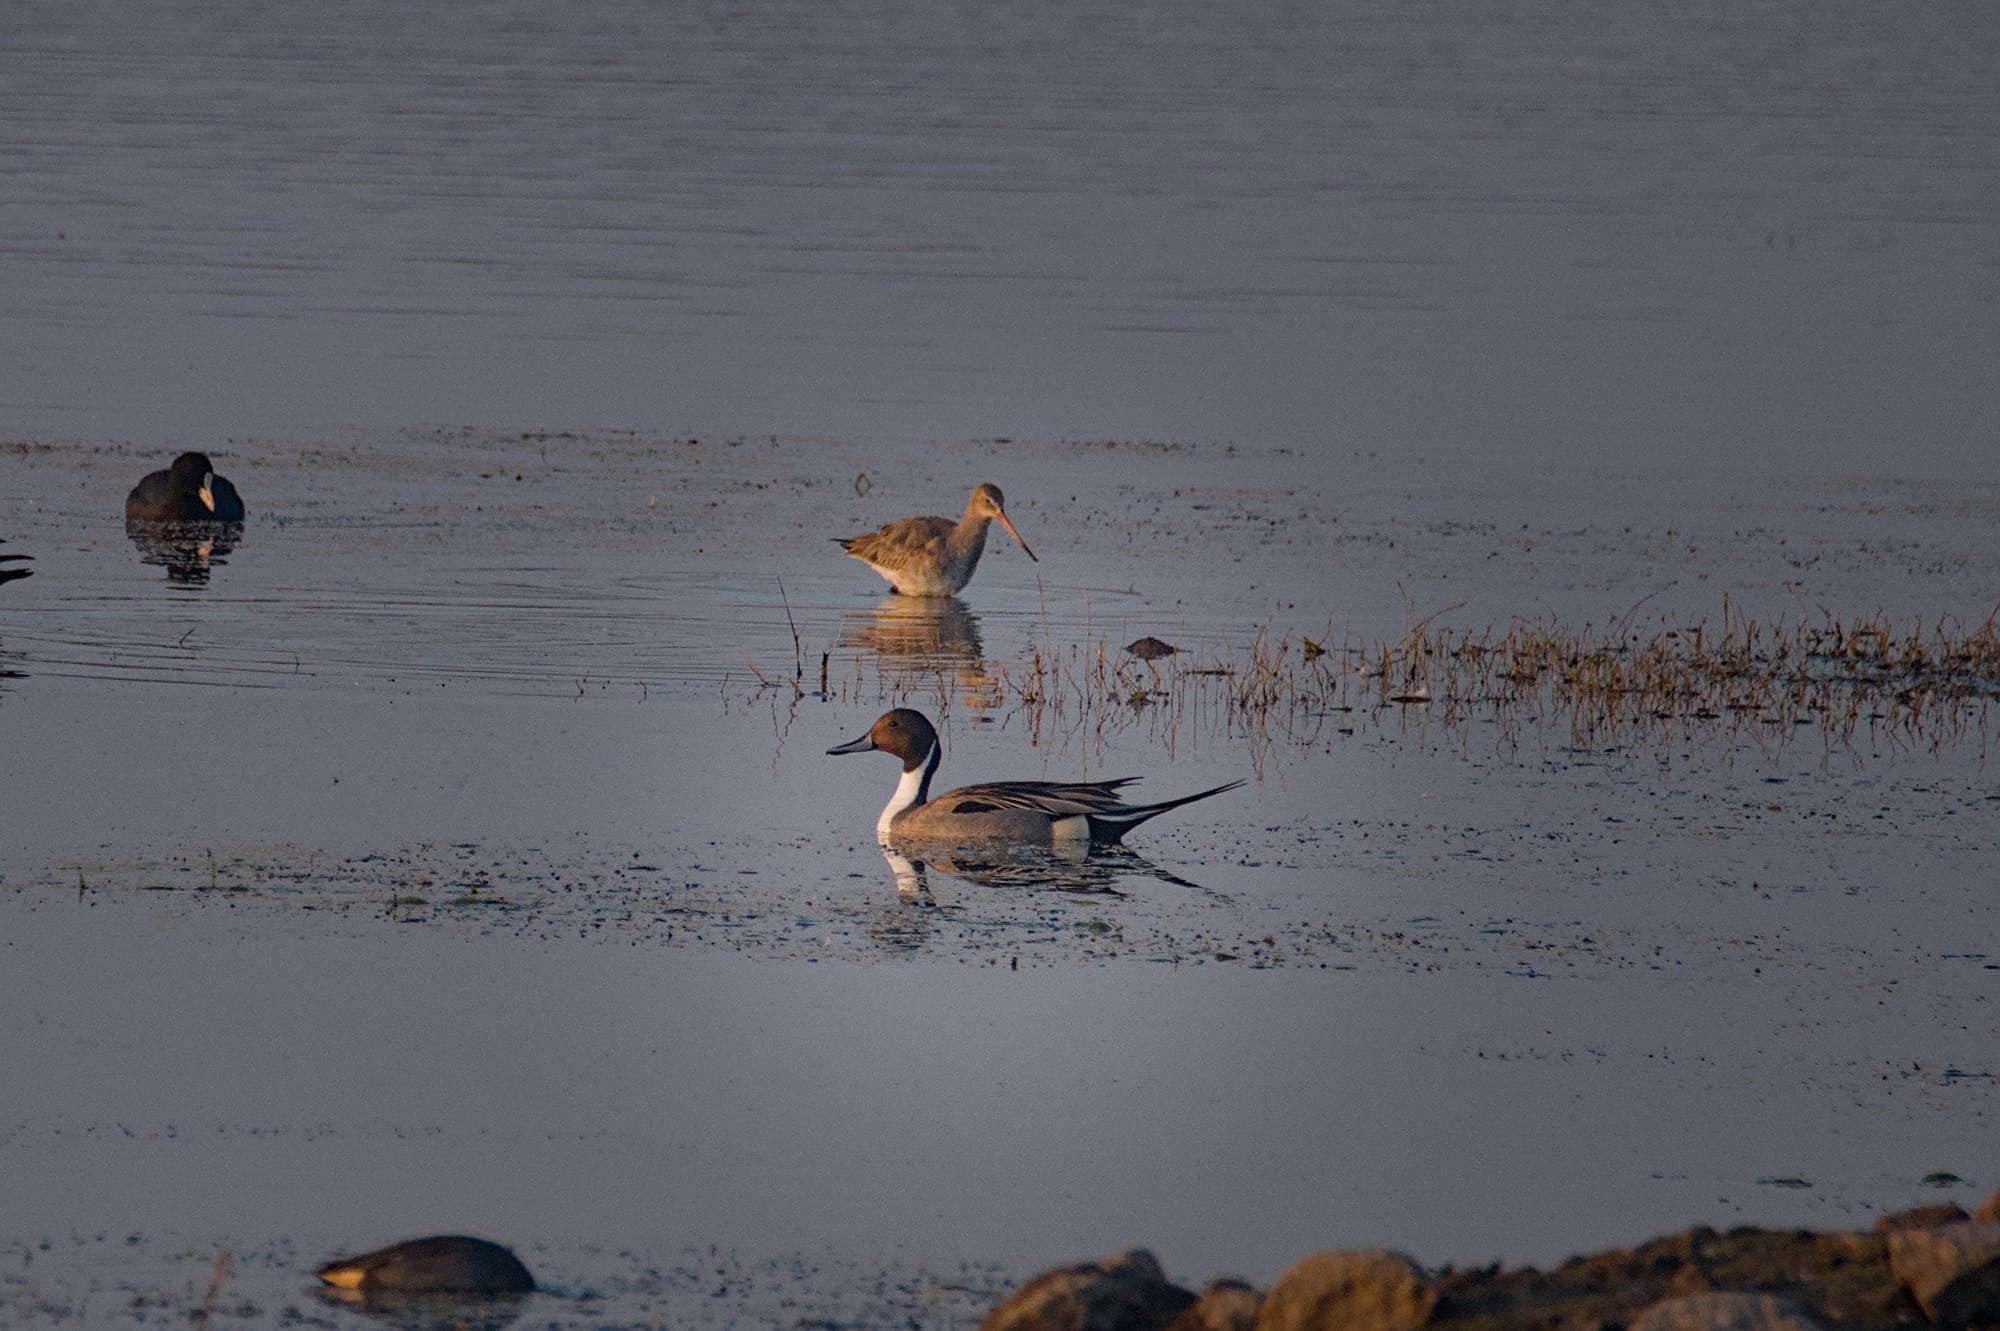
(457, 850)
(514, 891)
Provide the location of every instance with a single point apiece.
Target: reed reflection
(10, 669)
(9, 660)
(10, 574)
(926, 635)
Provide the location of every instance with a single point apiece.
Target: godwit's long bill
(934, 556)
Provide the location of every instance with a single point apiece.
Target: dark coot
(448, 1264)
(188, 491)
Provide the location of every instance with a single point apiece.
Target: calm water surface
(1706, 237)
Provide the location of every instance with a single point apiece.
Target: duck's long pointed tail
(1108, 829)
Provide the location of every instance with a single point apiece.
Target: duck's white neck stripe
(913, 789)
(910, 790)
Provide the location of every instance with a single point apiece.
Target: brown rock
(1952, 1271)
(1226, 1305)
(1989, 1209)
(1724, 1311)
(1923, 1217)
(1839, 1279)
(1689, 1280)
(1349, 1291)
(1853, 1246)
(1124, 1293)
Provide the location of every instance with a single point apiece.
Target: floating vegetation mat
(1910, 686)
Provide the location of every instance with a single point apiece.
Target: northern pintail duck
(448, 1264)
(188, 491)
(9, 574)
(1035, 813)
(934, 556)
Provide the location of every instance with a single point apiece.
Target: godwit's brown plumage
(933, 556)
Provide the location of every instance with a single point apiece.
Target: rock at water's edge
(1724, 1311)
(1124, 1293)
(1349, 1291)
(1953, 1271)
(1226, 1305)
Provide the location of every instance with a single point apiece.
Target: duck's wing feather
(1057, 798)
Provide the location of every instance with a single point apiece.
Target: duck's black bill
(863, 745)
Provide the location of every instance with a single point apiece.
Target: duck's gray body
(1026, 813)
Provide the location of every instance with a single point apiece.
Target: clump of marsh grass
(1914, 684)
(1917, 684)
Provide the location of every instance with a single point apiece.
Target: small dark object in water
(1151, 649)
(9, 574)
(447, 1264)
(188, 491)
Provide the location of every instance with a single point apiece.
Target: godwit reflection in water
(187, 550)
(925, 636)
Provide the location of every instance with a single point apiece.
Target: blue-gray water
(1531, 313)
(1700, 236)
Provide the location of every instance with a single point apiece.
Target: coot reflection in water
(428, 1312)
(187, 550)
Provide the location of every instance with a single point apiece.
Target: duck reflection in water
(1073, 869)
(925, 635)
(904, 924)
